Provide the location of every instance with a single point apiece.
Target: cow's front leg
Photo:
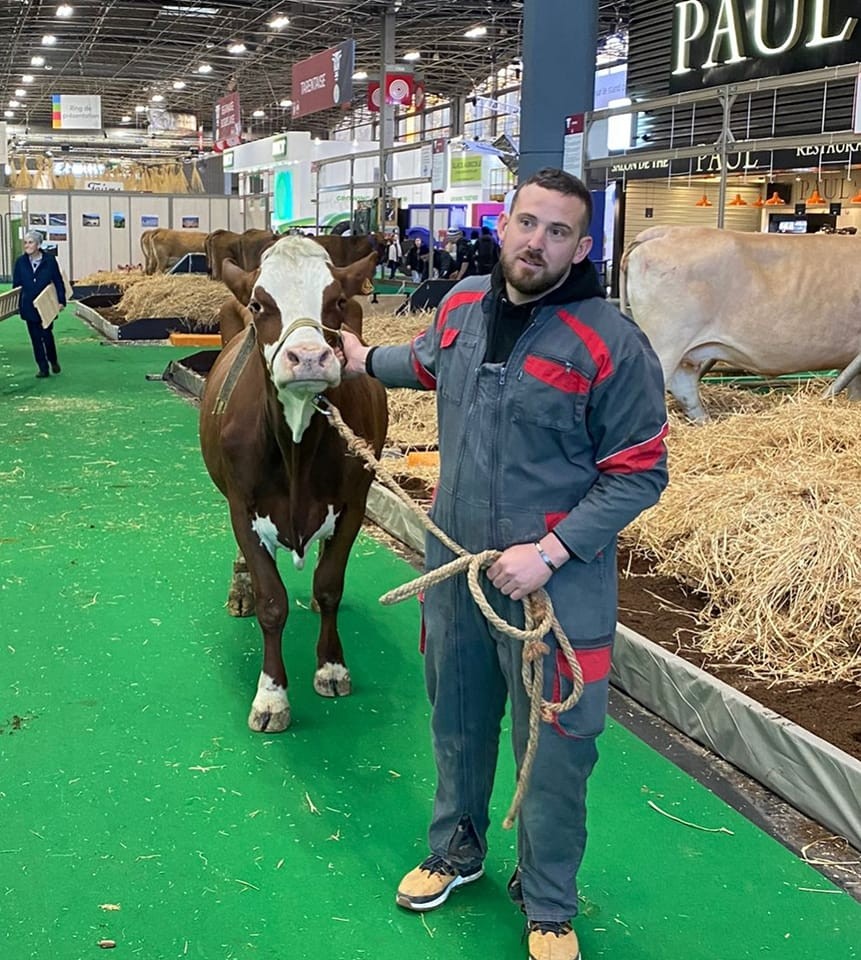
(270, 709)
(332, 678)
(240, 598)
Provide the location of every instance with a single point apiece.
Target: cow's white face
(289, 303)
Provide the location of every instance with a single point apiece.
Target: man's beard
(532, 282)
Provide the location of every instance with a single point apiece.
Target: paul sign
(724, 41)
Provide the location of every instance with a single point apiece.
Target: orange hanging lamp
(703, 202)
(759, 202)
(775, 200)
(737, 201)
(815, 200)
(856, 198)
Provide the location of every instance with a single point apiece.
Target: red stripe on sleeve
(425, 377)
(598, 350)
(636, 459)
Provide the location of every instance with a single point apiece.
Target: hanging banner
(227, 126)
(572, 150)
(324, 80)
(76, 112)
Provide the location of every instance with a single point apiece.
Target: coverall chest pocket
(550, 392)
(456, 363)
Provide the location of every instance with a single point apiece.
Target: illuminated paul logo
(336, 72)
(733, 31)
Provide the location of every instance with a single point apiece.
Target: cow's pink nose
(309, 362)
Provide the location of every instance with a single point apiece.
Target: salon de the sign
(760, 162)
(725, 41)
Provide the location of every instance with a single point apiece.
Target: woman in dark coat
(35, 270)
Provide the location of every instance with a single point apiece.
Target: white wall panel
(146, 205)
(190, 208)
(90, 232)
(121, 243)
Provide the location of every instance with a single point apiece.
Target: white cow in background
(765, 302)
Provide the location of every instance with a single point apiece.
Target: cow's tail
(146, 249)
(624, 304)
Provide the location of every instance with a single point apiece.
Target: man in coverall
(551, 434)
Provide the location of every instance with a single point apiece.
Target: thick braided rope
(539, 618)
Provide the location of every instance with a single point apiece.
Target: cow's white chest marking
(327, 528)
(267, 533)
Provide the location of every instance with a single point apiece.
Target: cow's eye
(342, 302)
(255, 307)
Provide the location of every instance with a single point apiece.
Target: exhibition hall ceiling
(130, 51)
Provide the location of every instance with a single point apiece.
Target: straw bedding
(115, 278)
(192, 296)
(762, 517)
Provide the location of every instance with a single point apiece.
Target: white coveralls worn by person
(551, 432)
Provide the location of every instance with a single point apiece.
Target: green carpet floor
(128, 776)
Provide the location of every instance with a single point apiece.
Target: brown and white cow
(160, 247)
(764, 302)
(244, 249)
(283, 469)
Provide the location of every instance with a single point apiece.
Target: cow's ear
(238, 282)
(356, 278)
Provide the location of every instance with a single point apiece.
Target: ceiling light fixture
(37, 61)
(8, 113)
(259, 113)
(49, 40)
(475, 32)
(204, 68)
(412, 55)
(20, 92)
(279, 22)
(236, 47)
(125, 118)
(14, 103)
(285, 103)
(179, 84)
(27, 78)
(157, 98)
(140, 109)
(65, 10)
(360, 75)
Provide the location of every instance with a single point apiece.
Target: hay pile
(412, 413)
(192, 296)
(117, 278)
(763, 518)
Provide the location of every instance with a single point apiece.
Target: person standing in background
(486, 252)
(34, 271)
(393, 254)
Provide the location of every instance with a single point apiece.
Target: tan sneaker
(549, 940)
(431, 882)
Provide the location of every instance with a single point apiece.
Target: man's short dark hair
(552, 178)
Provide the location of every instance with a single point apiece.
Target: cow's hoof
(270, 709)
(269, 721)
(333, 680)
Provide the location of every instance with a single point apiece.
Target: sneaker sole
(402, 900)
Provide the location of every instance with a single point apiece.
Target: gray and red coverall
(567, 434)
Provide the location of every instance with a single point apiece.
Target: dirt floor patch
(662, 610)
